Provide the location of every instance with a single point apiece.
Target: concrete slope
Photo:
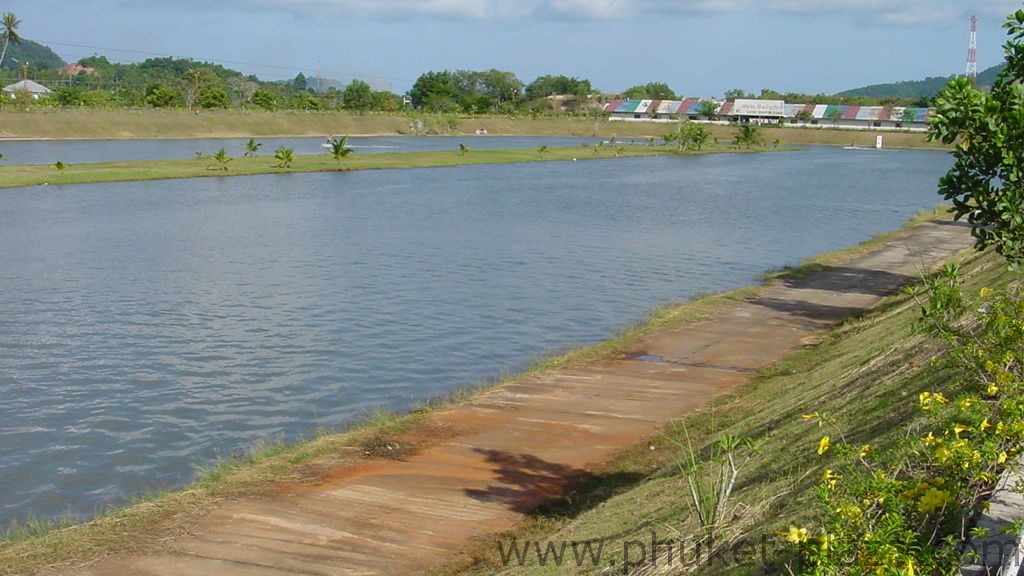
(510, 449)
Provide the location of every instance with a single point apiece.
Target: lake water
(149, 327)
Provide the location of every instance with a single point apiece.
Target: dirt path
(513, 447)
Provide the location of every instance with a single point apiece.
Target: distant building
(34, 89)
(772, 112)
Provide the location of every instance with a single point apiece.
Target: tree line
(185, 83)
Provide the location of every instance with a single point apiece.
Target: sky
(700, 48)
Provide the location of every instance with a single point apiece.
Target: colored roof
(29, 85)
(690, 107)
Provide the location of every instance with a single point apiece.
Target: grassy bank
(31, 175)
(149, 123)
(866, 374)
(862, 370)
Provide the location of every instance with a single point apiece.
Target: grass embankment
(867, 373)
(150, 123)
(32, 175)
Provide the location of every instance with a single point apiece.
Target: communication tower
(972, 51)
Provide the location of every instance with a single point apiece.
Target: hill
(34, 54)
(926, 88)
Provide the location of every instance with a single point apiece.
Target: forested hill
(914, 89)
(34, 54)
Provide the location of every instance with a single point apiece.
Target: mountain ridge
(927, 88)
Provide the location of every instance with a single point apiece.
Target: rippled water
(148, 327)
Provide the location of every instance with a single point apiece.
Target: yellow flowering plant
(906, 510)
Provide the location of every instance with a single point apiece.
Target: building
(33, 89)
(772, 112)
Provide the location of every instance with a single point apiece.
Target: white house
(34, 89)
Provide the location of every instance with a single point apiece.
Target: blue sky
(699, 48)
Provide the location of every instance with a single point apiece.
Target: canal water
(147, 328)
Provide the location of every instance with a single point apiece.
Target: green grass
(866, 374)
(32, 175)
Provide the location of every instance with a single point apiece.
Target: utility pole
(972, 52)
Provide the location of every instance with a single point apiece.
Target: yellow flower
(808, 416)
(824, 444)
(958, 428)
(910, 567)
(795, 535)
(985, 292)
(933, 499)
(929, 400)
(829, 478)
(929, 439)
(984, 425)
(1002, 458)
(865, 451)
(849, 512)
(966, 403)
(992, 390)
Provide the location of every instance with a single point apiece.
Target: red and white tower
(972, 51)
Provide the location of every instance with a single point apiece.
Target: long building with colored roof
(772, 112)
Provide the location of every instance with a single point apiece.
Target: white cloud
(634, 9)
(904, 13)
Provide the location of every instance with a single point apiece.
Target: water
(149, 327)
(84, 151)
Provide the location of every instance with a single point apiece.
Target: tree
(214, 98)
(651, 90)
(986, 182)
(735, 93)
(265, 99)
(222, 159)
(545, 86)
(252, 147)
(749, 134)
(501, 86)
(435, 91)
(357, 96)
(243, 87)
(160, 96)
(284, 156)
(195, 81)
(300, 82)
(835, 115)
(707, 109)
(804, 115)
(10, 24)
(699, 135)
(339, 148)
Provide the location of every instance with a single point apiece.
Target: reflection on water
(146, 327)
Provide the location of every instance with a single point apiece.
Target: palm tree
(749, 134)
(222, 159)
(9, 24)
(338, 148)
(699, 135)
(284, 157)
(252, 147)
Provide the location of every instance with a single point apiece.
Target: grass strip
(204, 167)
